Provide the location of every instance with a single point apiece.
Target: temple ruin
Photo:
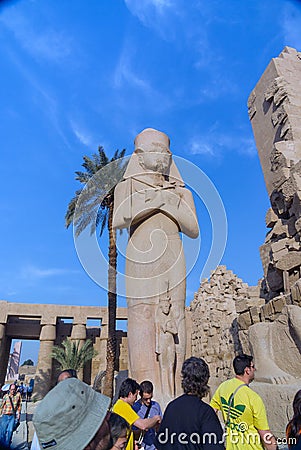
(46, 324)
(226, 315)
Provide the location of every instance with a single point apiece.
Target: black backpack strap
(12, 405)
(147, 410)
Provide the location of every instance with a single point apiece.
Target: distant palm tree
(70, 356)
(93, 205)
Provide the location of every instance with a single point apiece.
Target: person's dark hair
(146, 387)
(71, 372)
(128, 386)
(102, 440)
(294, 426)
(195, 376)
(118, 427)
(240, 363)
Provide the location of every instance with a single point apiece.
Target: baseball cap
(69, 416)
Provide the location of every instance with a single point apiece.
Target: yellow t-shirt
(126, 411)
(243, 416)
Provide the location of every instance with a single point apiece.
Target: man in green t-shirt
(243, 410)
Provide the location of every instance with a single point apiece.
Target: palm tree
(93, 205)
(70, 356)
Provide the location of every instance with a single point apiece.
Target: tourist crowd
(73, 416)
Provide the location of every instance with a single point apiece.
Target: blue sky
(75, 75)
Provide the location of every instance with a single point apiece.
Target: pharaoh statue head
(152, 148)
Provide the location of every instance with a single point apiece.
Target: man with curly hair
(188, 422)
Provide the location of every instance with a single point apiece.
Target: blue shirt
(140, 408)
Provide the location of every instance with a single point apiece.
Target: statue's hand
(153, 197)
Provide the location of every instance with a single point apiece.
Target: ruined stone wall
(214, 324)
(275, 113)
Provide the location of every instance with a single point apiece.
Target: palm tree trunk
(112, 305)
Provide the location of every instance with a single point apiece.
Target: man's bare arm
(268, 439)
(145, 424)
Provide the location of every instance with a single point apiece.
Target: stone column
(2, 334)
(3, 340)
(79, 333)
(44, 367)
(2, 353)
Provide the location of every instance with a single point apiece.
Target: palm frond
(82, 177)
(89, 165)
(103, 159)
(70, 356)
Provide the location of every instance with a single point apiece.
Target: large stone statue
(154, 204)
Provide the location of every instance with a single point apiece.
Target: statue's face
(156, 158)
(165, 307)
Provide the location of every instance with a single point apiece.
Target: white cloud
(48, 44)
(215, 144)
(47, 101)
(132, 86)
(165, 17)
(82, 135)
(217, 87)
(124, 73)
(33, 273)
(291, 24)
(198, 146)
(143, 8)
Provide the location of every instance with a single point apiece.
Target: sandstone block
(254, 312)
(244, 320)
(298, 225)
(279, 245)
(289, 261)
(293, 245)
(241, 305)
(295, 208)
(278, 304)
(267, 312)
(244, 341)
(280, 229)
(280, 254)
(270, 218)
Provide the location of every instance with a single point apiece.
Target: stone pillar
(2, 334)
(44, 368)
(2, 353)
(79, 333)
(3, 340)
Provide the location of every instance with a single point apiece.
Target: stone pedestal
(278, 400)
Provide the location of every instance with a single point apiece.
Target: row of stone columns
(43, 379)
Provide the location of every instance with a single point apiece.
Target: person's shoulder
(229, 382)
(205, 410)
(137, 406)
(179, 399)
(232, 383)
(118, 404)
(186, 399)
(255, 396)
(155, 403)
(175, 402)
